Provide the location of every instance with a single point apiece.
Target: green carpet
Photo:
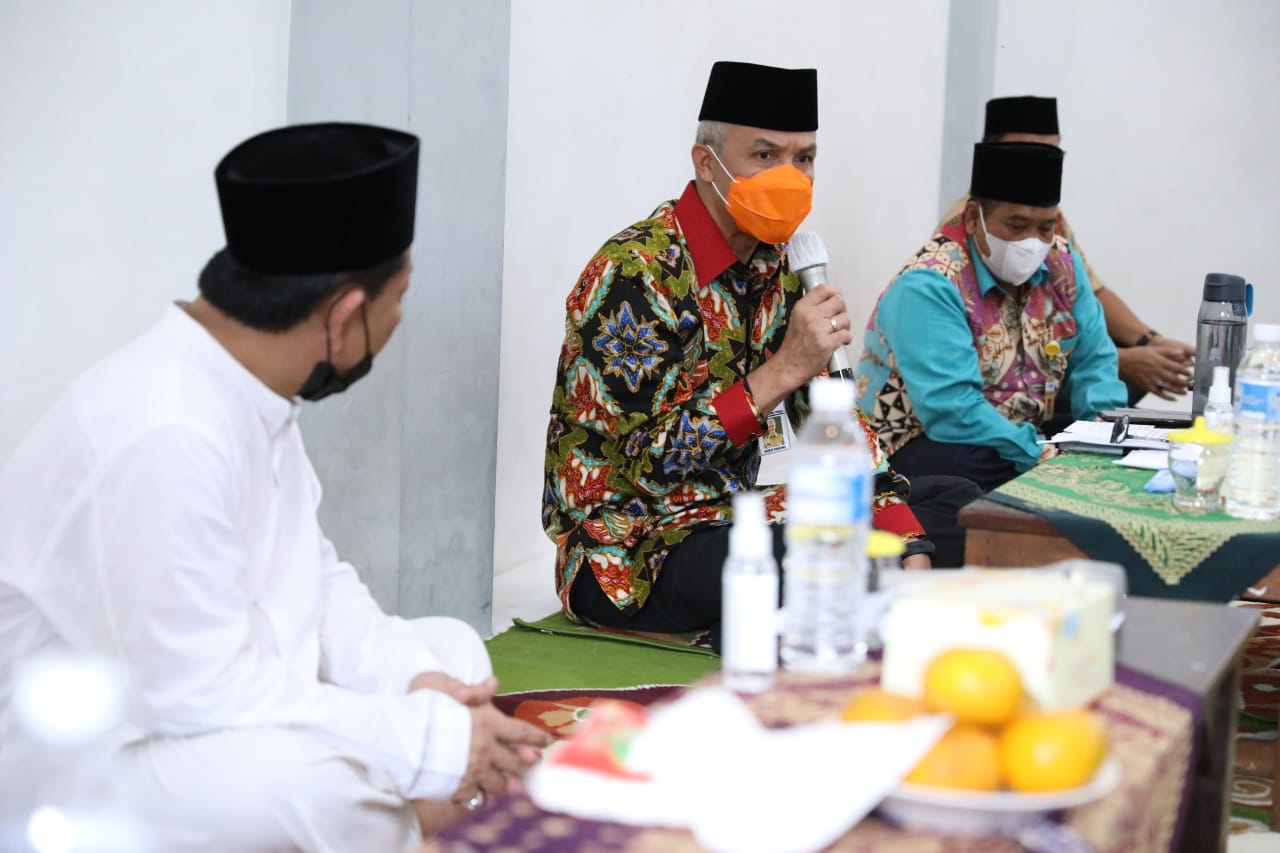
(554, 653)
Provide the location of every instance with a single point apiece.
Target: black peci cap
(1018, 172)
(319, 198)
(761, 96)
(1023, 114)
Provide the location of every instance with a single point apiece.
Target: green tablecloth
(1102, 508)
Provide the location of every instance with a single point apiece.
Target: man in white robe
(164, 514)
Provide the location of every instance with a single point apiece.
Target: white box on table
(1055, 630)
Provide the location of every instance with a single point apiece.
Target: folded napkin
(1161, 483)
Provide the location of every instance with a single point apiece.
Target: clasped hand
(502, 748)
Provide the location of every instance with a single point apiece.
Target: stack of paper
(1151, 460)
(1096, 437)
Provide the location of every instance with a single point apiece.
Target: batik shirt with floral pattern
(651, 432)
(951, 354)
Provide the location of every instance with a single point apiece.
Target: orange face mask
(769, 205)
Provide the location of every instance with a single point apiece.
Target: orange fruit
(877, 705)
(965, 757)
(977, 686)
(1052, 751)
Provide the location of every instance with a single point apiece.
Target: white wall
(603, 107)
(1169, 116)
(112, 116)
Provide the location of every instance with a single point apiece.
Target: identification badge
(1050, 394)
(777, 432)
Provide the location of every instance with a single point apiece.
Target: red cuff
(736, 415)
(897, 519)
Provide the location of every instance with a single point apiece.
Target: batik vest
(1023, 342)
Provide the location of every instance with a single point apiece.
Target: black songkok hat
(319, 198)
(1019, 172)
(761, 96)
(1025, 114)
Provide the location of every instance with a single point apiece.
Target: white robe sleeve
(171, 573)
(365, 649)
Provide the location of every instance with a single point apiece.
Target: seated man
(984, 327)
(683, 333)
(1150, 363)
(164, 514)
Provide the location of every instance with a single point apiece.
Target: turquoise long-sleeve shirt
(923, 317)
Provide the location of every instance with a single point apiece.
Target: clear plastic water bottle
(1253, 480)
(828, 515)
(749, 614)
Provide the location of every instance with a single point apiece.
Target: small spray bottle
(1219, 415)
(749, 619)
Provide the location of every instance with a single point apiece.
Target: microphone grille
(806, 250)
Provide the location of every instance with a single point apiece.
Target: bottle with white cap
(1218, 412)
(828, 516)
(749, 615)
(1252, 490)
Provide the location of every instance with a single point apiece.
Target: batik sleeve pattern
(891, 490)
(636, 452)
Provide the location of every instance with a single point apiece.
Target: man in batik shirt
(682, 334)
(1149, 363)
(984, 327)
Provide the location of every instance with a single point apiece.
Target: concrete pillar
(407, 455)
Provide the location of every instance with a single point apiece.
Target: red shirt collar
(708, 248)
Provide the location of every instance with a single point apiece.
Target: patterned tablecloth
(1102, 508)
(1149, 724)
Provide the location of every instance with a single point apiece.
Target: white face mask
(1013, 262)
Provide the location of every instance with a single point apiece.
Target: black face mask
(325, 379)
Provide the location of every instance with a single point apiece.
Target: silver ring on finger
(835, 327)
(475, 802)
(1159, 385)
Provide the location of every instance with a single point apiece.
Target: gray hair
(711, 134)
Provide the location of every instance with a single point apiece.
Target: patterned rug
(1252, 786)
(551, 647)
(558, 711)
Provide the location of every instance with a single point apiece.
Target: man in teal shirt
(1150, 363)
(993, 318)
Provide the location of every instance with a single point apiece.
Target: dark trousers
(686, 596)
(923, 457)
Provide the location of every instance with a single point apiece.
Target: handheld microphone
(809, 262)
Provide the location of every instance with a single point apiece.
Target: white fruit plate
(959, 812)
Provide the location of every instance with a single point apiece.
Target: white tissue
(743, 788)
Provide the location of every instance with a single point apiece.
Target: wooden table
(1202, 656)
(999, 536)
(1199, 647)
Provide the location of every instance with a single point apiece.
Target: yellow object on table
(1198, 459)
(977, 686)
(1050, 752)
